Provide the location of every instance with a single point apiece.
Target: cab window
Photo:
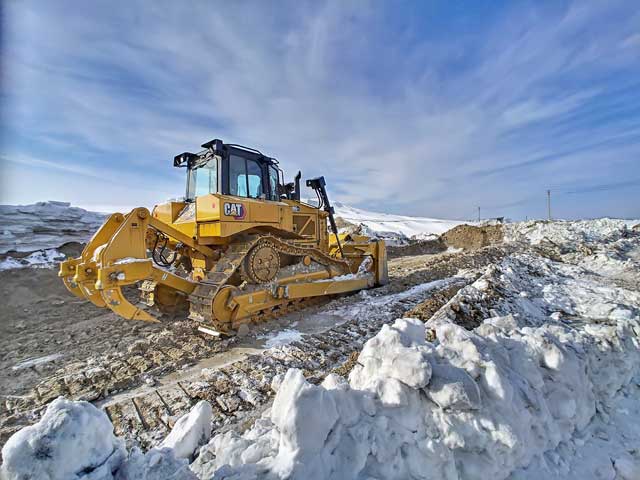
(245, 177)
(273, 183)
(203, 180)
(254, 177)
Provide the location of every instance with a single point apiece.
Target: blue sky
(420, 108)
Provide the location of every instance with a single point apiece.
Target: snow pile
(602, 230)
(45, 225)
(74, 440)
(608, 247)
(395, 229)
(523, 388)
(603, 450)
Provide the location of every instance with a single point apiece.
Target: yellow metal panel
(248, 210)
(208, 208)
(263, 212)
(188, 229)
(285, 218)
(211, 229)
(323, 287)
(162, 212)
(167, 212)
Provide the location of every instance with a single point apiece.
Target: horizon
(424, 110)
(109, 209)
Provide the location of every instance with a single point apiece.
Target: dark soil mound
(470, 237)
(418, 247)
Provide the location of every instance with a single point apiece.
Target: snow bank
(74, 440)
(608, 247)
(521, 387)
(396, 229)
(568, 233)
(45, 225)
(606, 449)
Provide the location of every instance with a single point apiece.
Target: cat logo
(235, 210)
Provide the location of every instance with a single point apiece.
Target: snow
(395, 229)
(72, 440)
(48, 258)
(569, 232)
(156, 464)
(45, 225)
(605, 246)
(533, 391)
(606, 449)
(33, 362)
(190, 431)
(283, 337)
(127, 260)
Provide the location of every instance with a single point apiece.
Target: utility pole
(549, 205)
(478, 214)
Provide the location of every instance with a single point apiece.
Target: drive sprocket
(262, 263)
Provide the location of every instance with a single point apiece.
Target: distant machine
(240, 248)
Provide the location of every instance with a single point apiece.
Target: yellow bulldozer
(240, 248)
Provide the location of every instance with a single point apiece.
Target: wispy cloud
(400, 108)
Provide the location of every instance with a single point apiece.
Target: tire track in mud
(236, 391)
(236, 382)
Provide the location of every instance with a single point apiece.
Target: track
(203, 296)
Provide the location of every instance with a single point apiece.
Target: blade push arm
(318, 184)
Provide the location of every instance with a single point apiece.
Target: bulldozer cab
(230, 170)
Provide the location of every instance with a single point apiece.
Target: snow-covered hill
(396, 229)
(45, 225)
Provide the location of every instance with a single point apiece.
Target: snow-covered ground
(75, 440)
(396, 229)
(551, 373)
(604, 246)
(532, 371)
